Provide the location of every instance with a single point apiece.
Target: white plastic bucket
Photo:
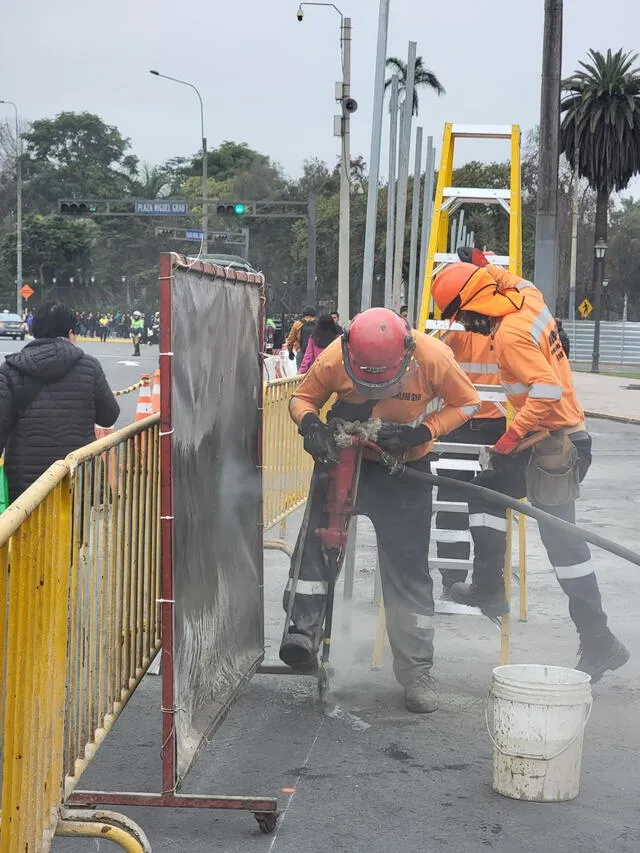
(536, 717)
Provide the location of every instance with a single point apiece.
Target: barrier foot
(108, 825)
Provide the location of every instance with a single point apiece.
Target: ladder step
(452, 258)
(449, 536)
(482, 131)
(450, 506)
(456, 465)
(454, 447)
(476, 192)
(449, 563)
(450, 608)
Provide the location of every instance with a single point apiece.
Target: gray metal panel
(619, 342)
(217, 496)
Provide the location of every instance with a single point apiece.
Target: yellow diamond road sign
(585, 308)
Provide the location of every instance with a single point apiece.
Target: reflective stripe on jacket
(476, 355)
(433, 377)
(534, 370)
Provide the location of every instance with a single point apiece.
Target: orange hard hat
(462, 286)
(377, 348)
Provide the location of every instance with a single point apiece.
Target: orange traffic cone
(144, 408)
(155, 394)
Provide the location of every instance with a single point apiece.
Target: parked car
(11, 326)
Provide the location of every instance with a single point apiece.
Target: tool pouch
(552, 475)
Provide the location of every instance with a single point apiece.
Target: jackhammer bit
(340, 504)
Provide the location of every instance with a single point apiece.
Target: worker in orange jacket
(536, 377)
(476, 355)
(380, 368)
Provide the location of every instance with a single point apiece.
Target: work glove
(318, 439)
(292, 355)
(472, 256)
(507, 442)
(396, 438)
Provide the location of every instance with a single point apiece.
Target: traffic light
(237, 208)
(77, 208)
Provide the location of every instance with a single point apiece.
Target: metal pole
(573, 264)
(311, 249)
(205, 212)
(624, 323)
(597, 310)
(413, 243)
(403, 177)
(18, 208)
(245, 232)
(391, 191)
(374, 158)
(427, 204)
(546, 250)
(345, 183)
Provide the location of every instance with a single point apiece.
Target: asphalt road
(120, 367)
(371, 778)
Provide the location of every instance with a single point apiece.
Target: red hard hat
(377, 348)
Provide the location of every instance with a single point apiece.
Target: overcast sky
(268, 80)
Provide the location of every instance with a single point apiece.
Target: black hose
(526, 509)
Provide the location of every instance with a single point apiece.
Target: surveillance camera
(299, 14)
(350, 105)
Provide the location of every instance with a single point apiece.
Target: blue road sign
(162, 208)
(194, 236)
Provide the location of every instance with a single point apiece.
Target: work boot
(421, 696)
(297, 651)
(491, 603)
(596, 660)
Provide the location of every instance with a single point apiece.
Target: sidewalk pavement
(608, 396)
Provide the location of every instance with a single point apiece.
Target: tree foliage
(423, 77)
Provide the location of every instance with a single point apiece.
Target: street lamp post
(348, 106)
(18, 210)
(205, 209)
(600, 250)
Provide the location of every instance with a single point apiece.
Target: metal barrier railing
(79, 585)
(34, 540)
(114, 583)
(287, 468)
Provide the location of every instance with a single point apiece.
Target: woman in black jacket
(51, 396)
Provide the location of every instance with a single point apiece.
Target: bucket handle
(562, 749)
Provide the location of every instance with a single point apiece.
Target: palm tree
(423, 77)
(149, 182)
(600, 130)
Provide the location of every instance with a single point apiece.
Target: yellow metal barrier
(34, 558)
(114, 630)
(287, 467)
(79, 583)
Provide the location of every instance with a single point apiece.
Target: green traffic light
(238, 209)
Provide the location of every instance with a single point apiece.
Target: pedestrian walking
(51, 396)
(137, 330)
(324, 332)
(301, 331)
(536, 376)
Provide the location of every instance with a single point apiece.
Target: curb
(618, 418)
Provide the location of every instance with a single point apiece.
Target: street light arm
(332, 5)
(191, 86)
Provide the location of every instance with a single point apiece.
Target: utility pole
(391, 191)
(403, 176)
(546, 250)
(427, 205)
(345, 178)
(312, 218)
(18, 209)
(415, 213)
(374, 158)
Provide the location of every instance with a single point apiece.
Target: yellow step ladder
(450, 199)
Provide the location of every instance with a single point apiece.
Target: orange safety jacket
(434, 391)
(534, 370)
(476, 355)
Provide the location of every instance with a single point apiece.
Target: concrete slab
(371, 778)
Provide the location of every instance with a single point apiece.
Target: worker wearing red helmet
(380, 368)
(536, 377)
